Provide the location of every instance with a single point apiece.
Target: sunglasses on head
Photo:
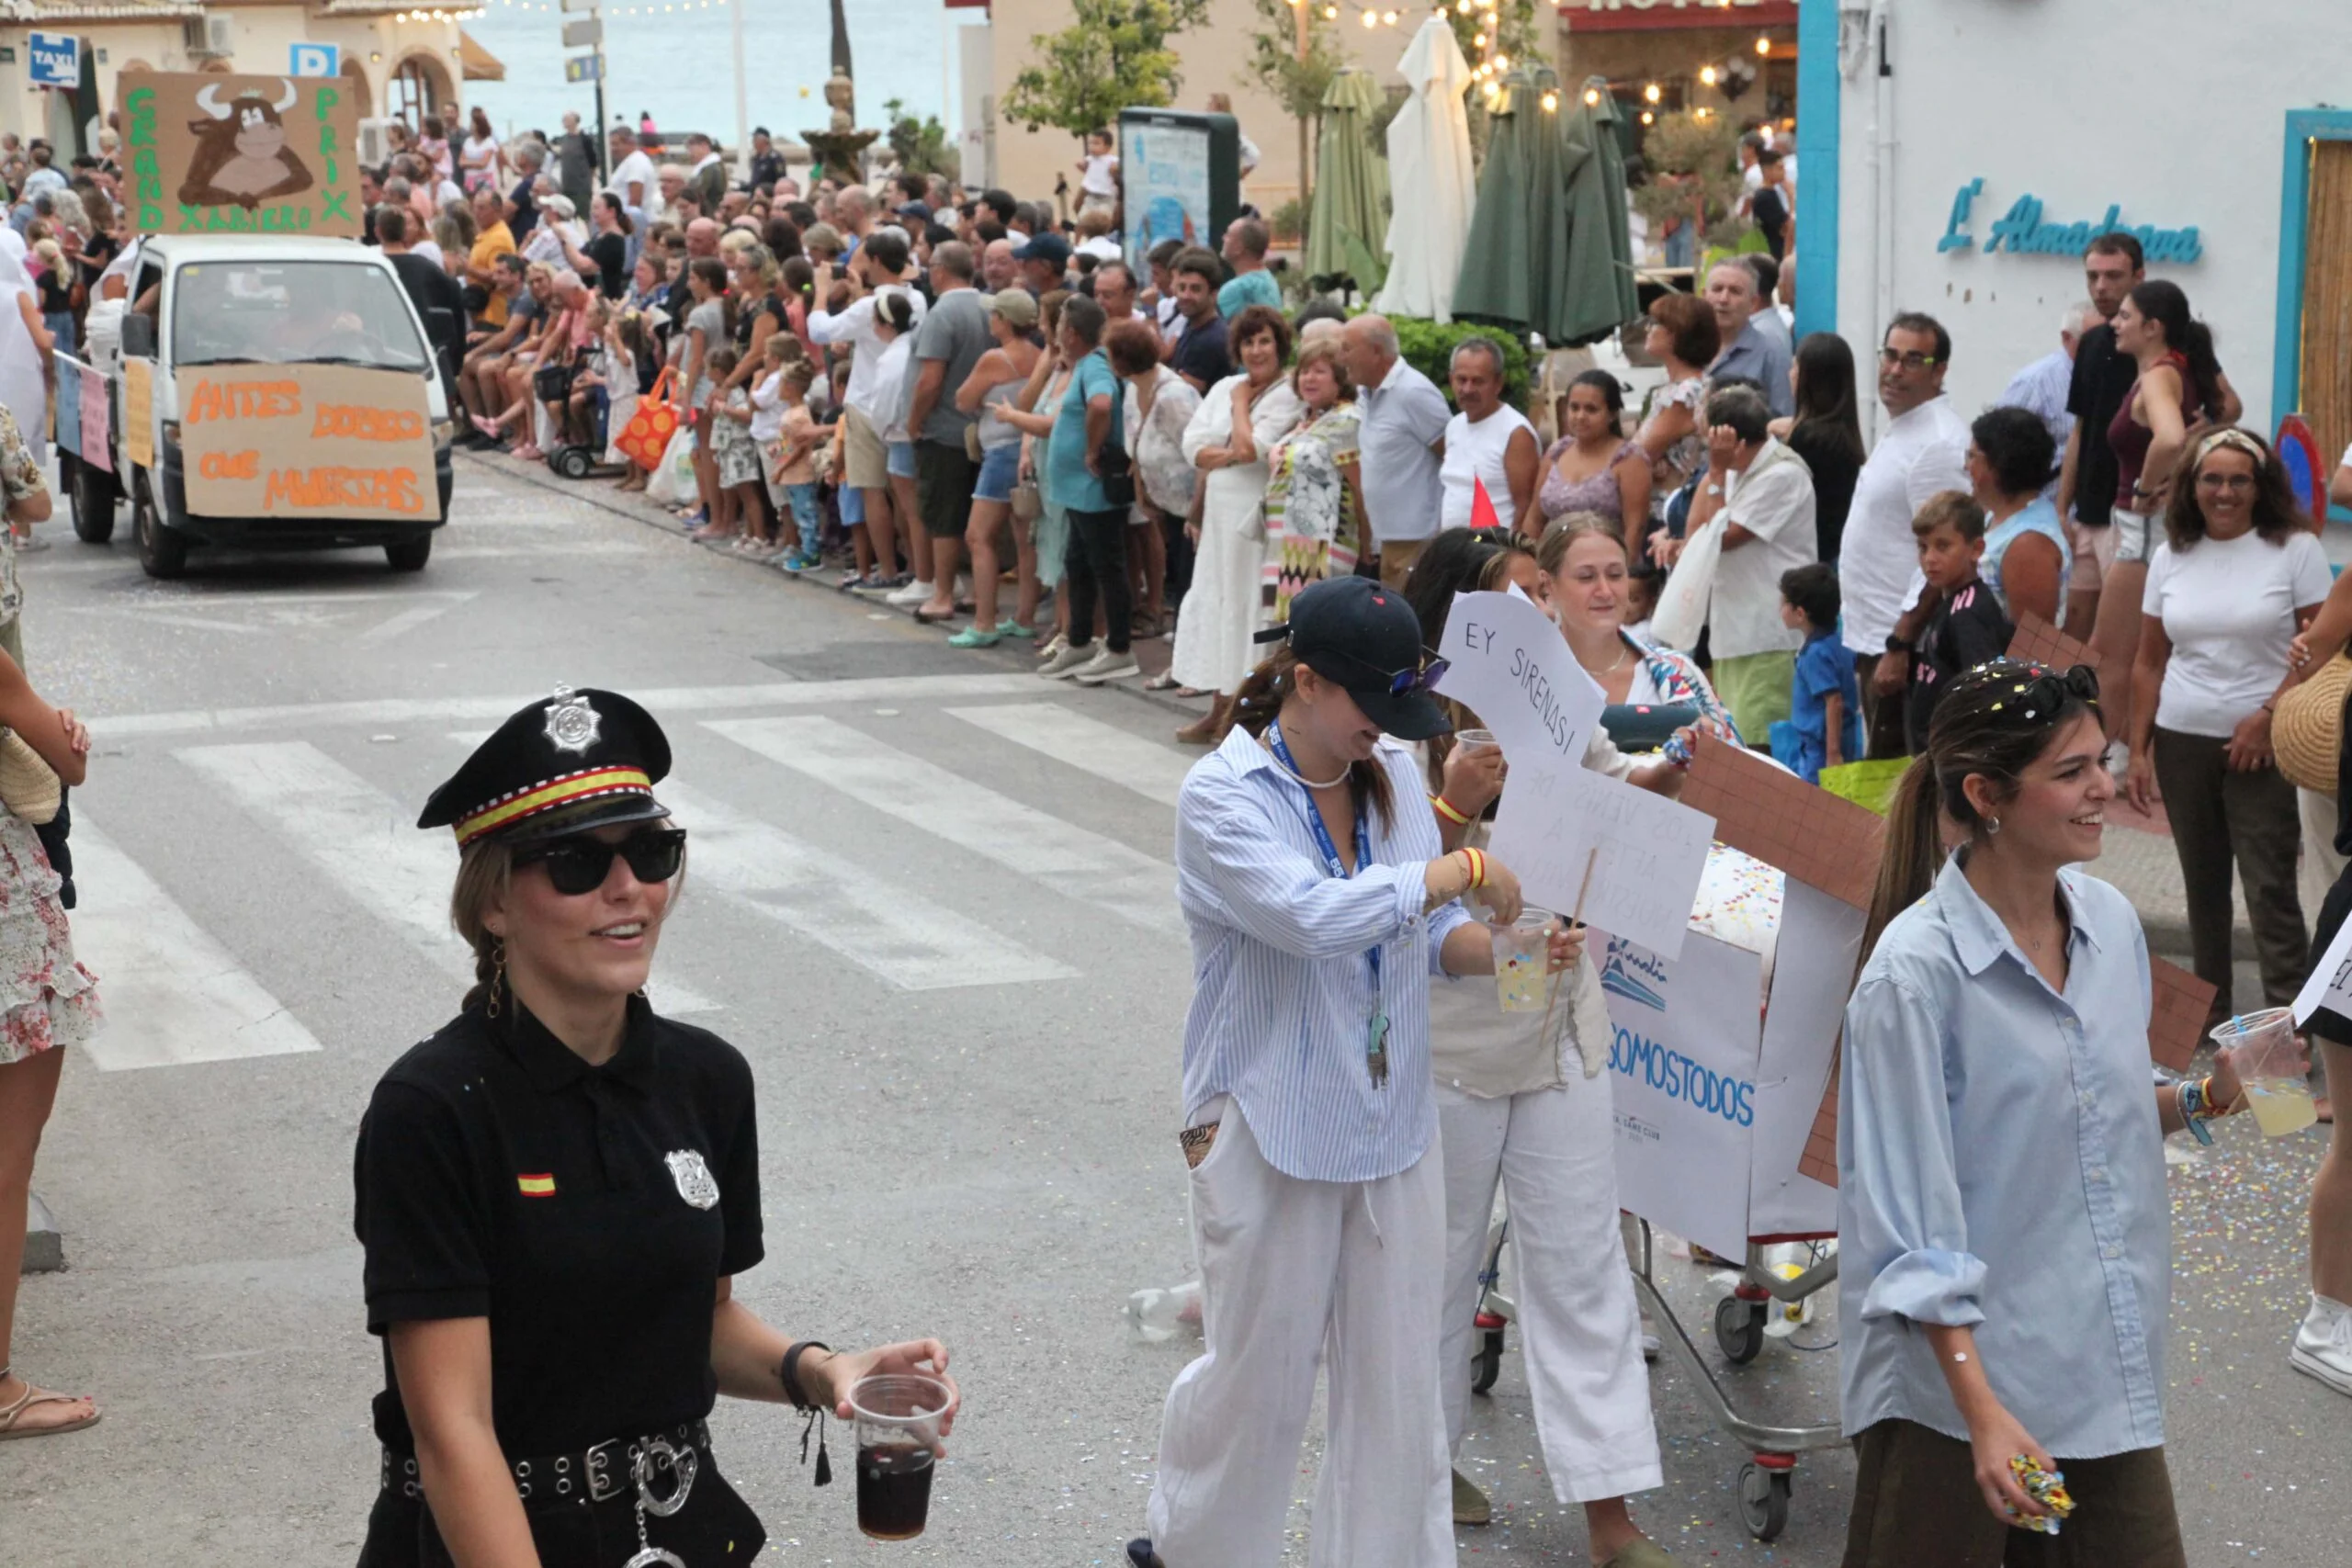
(2039, 693)
(1421, 678)
(579, 863)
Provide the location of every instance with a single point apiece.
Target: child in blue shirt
(1824, 724)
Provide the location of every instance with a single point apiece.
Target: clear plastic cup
(2272, 1070)
(898, 1443)
(1522, 952)
(1476, 739)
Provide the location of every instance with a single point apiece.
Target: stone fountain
(839, 150)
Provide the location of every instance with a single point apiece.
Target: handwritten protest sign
(139, 412)
(1509, 665)
(240, 154)
(1645, 852)
(65, 421)
(307, 440)
(97, 422)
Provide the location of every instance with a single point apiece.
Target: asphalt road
(929, 898)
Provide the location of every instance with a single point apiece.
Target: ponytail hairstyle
(1259, 703)
(2162, 302)
(1993, 721)
(485, 870)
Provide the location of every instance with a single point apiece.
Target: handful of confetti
(2047, 1487)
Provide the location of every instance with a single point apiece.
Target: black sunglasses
(579, 863)
(2043, 692)
(1401, 682)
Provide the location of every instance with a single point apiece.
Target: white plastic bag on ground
(672, 483)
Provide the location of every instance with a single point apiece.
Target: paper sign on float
(1559, 819)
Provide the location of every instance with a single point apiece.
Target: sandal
(931, 617)
(11, 1413)
(1163, 682)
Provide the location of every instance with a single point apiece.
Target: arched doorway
(420, 85)
(355, 81)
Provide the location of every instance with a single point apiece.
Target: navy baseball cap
(1354, 631)
(1045, 247)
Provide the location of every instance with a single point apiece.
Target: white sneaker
(1106, 666)
(1068, 661)
(2323, 1344)
(912, 593)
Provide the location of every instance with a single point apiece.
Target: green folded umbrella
(1597, 294)
(1349, 221)
(1519, 199)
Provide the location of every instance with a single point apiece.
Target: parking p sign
(55, 60)
(314, 59)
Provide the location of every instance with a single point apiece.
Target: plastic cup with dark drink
(897, 1442)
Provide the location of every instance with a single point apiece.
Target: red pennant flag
(1482, 507)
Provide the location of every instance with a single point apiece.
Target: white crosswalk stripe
(172, 993)
(1070, 860)
(365, 844)
(894, 933)
(1122, 757)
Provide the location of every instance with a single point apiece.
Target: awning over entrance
(477, 64)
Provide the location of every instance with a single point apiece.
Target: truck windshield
(295, 313)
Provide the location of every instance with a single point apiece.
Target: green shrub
(1427, 347)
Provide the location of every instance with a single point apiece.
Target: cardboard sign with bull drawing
(214, 154)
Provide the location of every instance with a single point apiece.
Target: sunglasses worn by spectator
(1914, 361)
(2043, 692)
(579, 865)
(1403, 681)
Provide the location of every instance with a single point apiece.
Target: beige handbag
(2307, 727)
(29, 786)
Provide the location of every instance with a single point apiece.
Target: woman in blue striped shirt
(1321, 903)
(2008, 1242)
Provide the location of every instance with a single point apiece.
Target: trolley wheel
(1488, 1364)
(1739, 1329)
(1764, 1500)
(571, 462)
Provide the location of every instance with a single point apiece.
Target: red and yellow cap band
(568, 790)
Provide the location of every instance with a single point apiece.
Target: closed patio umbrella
(1350, 213)
(1430, 177)
(1598, 296)
(1514, 268)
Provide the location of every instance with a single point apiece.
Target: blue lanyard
(1377, 1037)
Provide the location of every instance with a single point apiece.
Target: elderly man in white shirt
(1760, 494)
(1922, 451)
(1401, 436)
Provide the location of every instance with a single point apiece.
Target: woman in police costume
(556, 1190)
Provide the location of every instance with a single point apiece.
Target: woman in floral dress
(1314, 508)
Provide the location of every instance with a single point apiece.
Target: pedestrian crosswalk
(930, 916)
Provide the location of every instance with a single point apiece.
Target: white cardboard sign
(1682, 1063)
(1511, 667)
(1814, 958)
(2330, 985)
(1651, 852)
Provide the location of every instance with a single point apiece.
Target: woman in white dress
(1238, 423)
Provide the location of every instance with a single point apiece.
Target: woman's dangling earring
(497, 973)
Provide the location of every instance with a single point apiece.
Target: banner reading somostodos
(241, 155)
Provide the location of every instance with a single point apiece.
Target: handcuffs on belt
(643, 1461)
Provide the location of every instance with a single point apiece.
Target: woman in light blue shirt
(2027, 558)
(1320, 903)
(2006, 1258)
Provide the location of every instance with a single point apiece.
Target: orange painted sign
(312, 441)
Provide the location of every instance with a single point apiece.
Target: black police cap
(566, 763)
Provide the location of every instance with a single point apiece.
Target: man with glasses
(1922, 451)
(1748, 351)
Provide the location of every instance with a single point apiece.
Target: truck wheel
(410, 554)
(91, 494)
(162, 553)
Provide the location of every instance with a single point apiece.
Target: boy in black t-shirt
(1966, 625)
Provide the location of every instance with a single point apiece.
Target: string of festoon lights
(650, 8)
(1493, 61)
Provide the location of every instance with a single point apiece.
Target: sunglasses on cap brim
(1398, 683)
(579, 864)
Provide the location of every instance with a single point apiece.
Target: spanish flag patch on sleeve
(539, 1185)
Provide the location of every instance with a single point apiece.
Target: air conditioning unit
(375, 142)
(209, 38)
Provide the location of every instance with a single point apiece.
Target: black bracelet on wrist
(788, 1374)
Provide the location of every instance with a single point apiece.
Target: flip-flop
(1162, 682)
(10, 1414)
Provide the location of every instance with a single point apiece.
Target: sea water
(677, 64)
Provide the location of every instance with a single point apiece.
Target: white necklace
(1294, 773)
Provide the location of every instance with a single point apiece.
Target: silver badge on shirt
(574, 723)
(696, 1184)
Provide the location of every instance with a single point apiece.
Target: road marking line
(172, 993)
(665, 701)
(1068, 858)
(894, 933)
(1120, 756)
(362, 839)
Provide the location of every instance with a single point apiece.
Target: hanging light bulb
(1502, 61)
(1653, 93)
(1388, 18)
(1551, 102)
(1764, 46)
(1707, 76)
(1592, 97)
(1330, 13)
(1463, 6)
(1371, 19)
(1478, 40)
(1649, 118)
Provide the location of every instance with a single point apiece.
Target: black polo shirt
(500, 1176)
(2103, 379)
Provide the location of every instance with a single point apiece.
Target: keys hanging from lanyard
(1375, 1041)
